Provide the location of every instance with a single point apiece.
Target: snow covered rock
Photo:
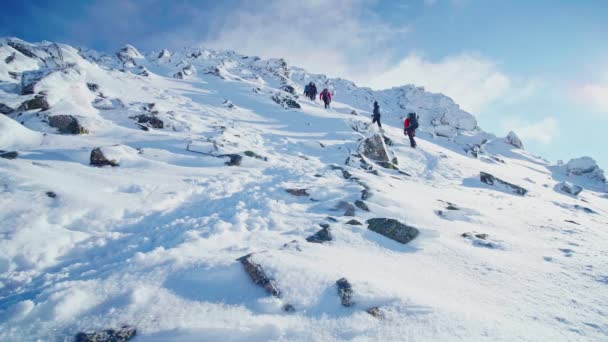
(128, 54)
(349, 209)
(67, 124)
(376, 312)
(164, 53)
(513, 140)
(252, 154)
(393, 229)
(569, 188)
(30, 78)
(354, 222)
(481, 240)
(258, 276)
(373, 148)
(148, 121)
(345, 291)
(298, 192)
(38, 102)
(585, 166)
(123, 334)
(492, 180)
(111, 155)
(286, 101)
(234, 159)
(361, 205)
(323, 235)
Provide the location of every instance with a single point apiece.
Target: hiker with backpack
(313, 91)
(325, 96)
(376, 115)
(307, 90)
(409, 127)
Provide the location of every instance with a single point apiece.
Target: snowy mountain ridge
(196, 195)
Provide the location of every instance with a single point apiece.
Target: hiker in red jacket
(325, 96)
(409, 128)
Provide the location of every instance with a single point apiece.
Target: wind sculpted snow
(153, 242)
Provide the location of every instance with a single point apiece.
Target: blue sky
(539, 68)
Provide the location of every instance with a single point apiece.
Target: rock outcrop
(149, 121)
(345, 291)
(491, 180)
(125, 333)
(569, 188)
(513, 140)
(585, 166)
(393, 229)
(38, 102)
(286, 101)
(98, 158)
(67, 124)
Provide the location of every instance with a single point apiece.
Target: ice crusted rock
(569, 188)
(491, 180)
(323, 235)
(513, 140)
(67, 124)
(125, 333)
(585, 166)
(374, 149)
(258, 276)
(393, 229)
(345, 291)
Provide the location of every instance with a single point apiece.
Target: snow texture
(152, 243)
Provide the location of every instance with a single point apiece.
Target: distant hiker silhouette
(409, 127)
(325, 96)
(376, 115)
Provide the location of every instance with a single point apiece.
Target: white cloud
(542, 132)
(472, 81)
(594, 95)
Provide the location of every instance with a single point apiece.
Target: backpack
(413, 120)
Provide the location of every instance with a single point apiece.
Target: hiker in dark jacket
(325, 96)
(313, 91)
(376, 114)
(409, 128)
(307, 90)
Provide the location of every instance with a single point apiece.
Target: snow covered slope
(216, 157)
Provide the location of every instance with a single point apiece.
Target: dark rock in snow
(93, 87)
(10, 59)
(345, 291)
(513, 140)
(573, 222)
(125, 333)
(289, 89)
(289, 308)
(354, 222)
(349, 209)
(387, 140)
(67, 124)
(321, 236)
(585, 209)
(255, 155)
(482, 236)
(361, 205)
(376, 312)
(30, 78)
(392, 229)
(324, 225)
(298, 192)
(24, 49)
(51, 194)
(258, 276)
(235, 159)
(286, 102)
(9, 155)
(38, 102)
(374, 149)
(332, 219)
(491, 180)
(4, 109)
(99, 159)
(150, 121)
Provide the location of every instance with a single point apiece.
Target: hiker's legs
(326, 104)
(410, 134)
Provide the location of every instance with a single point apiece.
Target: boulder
(323, 235)
(4, 109)
(51, 194)
(93, 87)
(361, 205)
(9, 155)
(10, 59)
(354, 222)
(393, 229)
(345, 291)
(258, 276)
(67, 124)
(38, 102)
(570, 188)
(99, 159)
(585, 166)
(235, 159)
(150, 121)
(513, 140)
(298, 192)
(491, 180)
(125, 333)
(374, 149)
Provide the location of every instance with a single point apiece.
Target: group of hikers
(310, 91)
(409, 125)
